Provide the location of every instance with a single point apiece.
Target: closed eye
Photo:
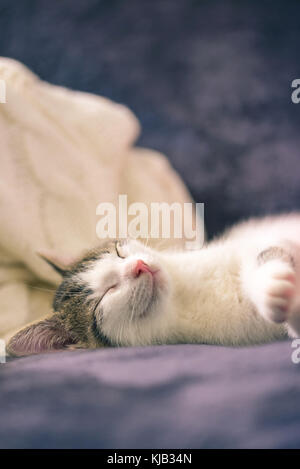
(118, 251)
(98, 302)
(108, 290)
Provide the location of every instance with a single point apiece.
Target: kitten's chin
(156, 292)
(142, 320)
(150, 326)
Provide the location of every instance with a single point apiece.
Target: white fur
(219, 294)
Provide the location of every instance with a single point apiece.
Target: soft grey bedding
(184, 396)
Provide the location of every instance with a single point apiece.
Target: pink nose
(141, 267)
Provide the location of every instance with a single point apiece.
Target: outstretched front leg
(271, 286)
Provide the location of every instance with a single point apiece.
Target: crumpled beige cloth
(62, 153)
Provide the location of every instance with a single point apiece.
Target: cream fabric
(62, 153)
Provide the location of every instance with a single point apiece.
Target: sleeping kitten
(240, 289)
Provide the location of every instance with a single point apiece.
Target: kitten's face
(114, 294)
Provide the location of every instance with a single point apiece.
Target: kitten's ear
(60, 264)
(43, 336)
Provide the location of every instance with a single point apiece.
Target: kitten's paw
(276, 285)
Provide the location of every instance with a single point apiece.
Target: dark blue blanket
(188, 396)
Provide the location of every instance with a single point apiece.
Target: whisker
(134, 304)
(147, 242)
(160, 243)
(70, 292)
(40, 288)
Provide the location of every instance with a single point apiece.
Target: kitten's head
(114, 295)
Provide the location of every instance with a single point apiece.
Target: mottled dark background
(209, 80)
